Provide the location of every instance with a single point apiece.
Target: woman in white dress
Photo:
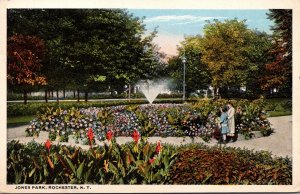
(231, 123)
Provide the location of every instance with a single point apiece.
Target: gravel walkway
(279, 143)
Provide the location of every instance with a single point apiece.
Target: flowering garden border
(139, 162)
(194, 120)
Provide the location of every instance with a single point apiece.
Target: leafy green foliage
(17, 109)
(228, 56)
(141, 163)
(89, 49)
(224, 48)
(197, 74)
(111, 164)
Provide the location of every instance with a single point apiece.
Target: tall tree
(224, 50)
(197, 75)
(283, 19)
(24, 62)
(258, 55)
(278, 73)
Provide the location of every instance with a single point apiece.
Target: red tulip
(135, 136)
(90, 134)
(152, 160)
(109, 135)
(128, 159)
(48, 144)
(158, 147)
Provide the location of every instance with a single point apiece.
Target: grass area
(279, 113)
(19, 120)
(277, 100)
(279, 107)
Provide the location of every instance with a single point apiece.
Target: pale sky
(174, 24)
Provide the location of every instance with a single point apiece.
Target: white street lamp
(183, 84)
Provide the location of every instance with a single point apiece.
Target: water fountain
(151, 89)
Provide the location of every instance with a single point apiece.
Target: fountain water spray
(151, 89)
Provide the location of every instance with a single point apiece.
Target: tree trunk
(86, 96)
(46, 96)
(216, 93)
(77, 95)
(57, 96)
(25, 97)
(129, 92)
(64, 93)
(74, 92)
(52, 93)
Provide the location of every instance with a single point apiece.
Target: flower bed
(139, 162)
(200, 164)
(197, 120)
(150, 120)
(133, 163)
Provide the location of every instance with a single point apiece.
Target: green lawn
(19, 120)
(279, 107)
(279, 113)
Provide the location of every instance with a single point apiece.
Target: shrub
(18, 109)
(254, 119)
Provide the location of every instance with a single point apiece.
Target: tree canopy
(197, 74)
(104, 49)
(228, 55)
(24, 63)
(278, 72)
(89, 48)
(225, 45)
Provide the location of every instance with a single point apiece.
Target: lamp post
(183, 84)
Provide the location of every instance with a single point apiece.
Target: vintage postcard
(149, 96)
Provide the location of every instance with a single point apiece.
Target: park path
(279, 143)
